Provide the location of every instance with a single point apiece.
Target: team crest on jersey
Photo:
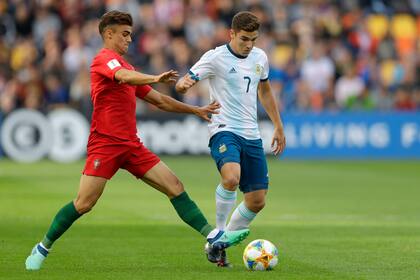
(258, 69)
(222, 148)
(96, 163)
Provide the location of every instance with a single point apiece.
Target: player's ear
(107, 34)
(232, 34)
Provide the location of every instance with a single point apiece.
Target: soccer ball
(260, 254)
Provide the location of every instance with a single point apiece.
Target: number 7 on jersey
(249, 81)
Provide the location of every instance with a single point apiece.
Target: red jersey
(114, 104)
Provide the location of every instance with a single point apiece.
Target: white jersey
(233, 82)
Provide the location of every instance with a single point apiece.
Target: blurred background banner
(326, 135)
(28, 135)
(353, 135)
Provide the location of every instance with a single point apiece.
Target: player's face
(243, 41)
(121, 38)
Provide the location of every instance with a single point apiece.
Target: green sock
(62, 221)
(189, 212)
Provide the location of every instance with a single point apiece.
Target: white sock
(213, 233)
(241, 218)
(225, 200)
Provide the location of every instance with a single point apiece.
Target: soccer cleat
(223, 261)
(37, 256)
(213, 254)
(223, 240)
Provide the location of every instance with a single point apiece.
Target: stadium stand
(325, 55)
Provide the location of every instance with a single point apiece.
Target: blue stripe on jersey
(194, 76)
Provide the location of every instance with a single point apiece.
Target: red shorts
(105, 155)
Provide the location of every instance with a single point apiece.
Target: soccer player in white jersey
(238, 73)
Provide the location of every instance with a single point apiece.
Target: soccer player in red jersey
(113, 141)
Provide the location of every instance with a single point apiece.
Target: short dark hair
(114, 17)
(246, 21)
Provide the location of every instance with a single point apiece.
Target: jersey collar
(235, 54)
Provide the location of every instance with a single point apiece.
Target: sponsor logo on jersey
(222, 148)
(232, 71)
(113, 63)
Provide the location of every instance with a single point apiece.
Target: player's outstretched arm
(185, 83)
(269, 103)
(169, 104)
(136, 78)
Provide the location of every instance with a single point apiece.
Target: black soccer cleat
(223, 240)
(212, 253)
(223, 261)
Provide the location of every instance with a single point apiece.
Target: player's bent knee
(231, 183)
(83, 207)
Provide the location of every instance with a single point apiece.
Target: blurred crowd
(348, 55)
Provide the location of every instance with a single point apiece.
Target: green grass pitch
(329, 219)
